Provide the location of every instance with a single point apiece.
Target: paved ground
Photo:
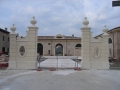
(61, 63)
(60, 80)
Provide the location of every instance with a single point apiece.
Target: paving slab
(60, 80)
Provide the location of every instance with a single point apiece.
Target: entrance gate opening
(59, 50)
(40, 48)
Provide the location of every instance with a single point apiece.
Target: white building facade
(59, 45)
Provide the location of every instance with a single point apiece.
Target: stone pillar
(105, 49)
(32, 44)
(13, 51)
(86, 36)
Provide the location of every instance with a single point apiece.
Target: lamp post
(77, 59)
(57, 61)
(39, 60)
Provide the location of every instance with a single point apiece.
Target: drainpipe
(66, 46)
(51, 46)
(117, 44)
(113, 45)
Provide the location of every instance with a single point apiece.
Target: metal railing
(56, 60)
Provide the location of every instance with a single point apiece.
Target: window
(3, 37)
(109, 41)
(48, 43)
(8, 39)
(48, 51)
(78, 45)
(3, 49)
(68, 51)
(8, 50)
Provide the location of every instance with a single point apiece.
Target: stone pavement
(60, 80)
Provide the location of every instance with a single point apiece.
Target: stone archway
(78, 50)
(59, 50)
(40, 48)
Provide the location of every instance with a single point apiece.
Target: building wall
(1, 34)
(4, 43)
(28, 59)
(115, 45)
(111, 45)
(68, 46)
(118, 44)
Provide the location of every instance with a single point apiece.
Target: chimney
(72, 35)
(5, 29)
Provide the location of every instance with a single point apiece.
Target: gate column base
(86, 65)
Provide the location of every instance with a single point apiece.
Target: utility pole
(116, 3)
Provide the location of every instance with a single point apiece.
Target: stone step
(115, 65)
(115, 68)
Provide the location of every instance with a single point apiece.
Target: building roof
(4, 31)
(112, 30)
(45, 37)
(53, 37)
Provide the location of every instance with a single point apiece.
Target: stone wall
(23, 51)
(94, 51)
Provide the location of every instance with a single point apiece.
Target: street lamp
(39, 60)
(77, 59)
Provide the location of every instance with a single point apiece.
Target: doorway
(59, 50)
(40, 48)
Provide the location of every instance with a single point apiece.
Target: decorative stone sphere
(13, 28)
(105, 30)
(85, 22)
(33, 21)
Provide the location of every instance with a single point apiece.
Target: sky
(59, 16)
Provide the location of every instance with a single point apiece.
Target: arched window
(78, 45)
(109, 41)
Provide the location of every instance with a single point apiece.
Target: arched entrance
(78, 50)
(59, 50)
(40, 48)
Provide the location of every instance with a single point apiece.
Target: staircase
(115, 65)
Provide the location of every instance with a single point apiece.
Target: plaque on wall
(22, 51)
(96, 51)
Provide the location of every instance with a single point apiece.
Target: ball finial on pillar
(105, 30)
(13, 29)
(33, 21)
(85, 22)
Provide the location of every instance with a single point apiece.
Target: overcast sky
(59, 16)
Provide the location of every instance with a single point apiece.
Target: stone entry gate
(94, 51)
